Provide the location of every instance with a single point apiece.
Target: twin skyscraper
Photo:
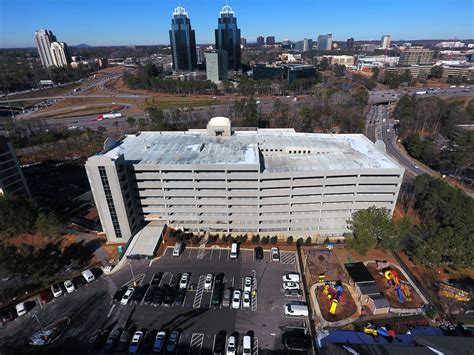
(183, 39)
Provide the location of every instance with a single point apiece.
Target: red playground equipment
(402, 290)
(334, 293)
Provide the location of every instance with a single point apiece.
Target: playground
(335, 301)
(394, 285)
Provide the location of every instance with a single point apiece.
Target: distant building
(347, 60)
(288, 72)
(103, 63)
(228, 37)
(304, 45)
(369, 47)
(289, 57)
(270, 40)
(200, 55)
(286, 44)
(415, 56)
(325, 42)
(12, 180)
(60, 54)
(183, 41)
(243, 41)
(44, 38)
(350, 43)
(260, 41)
(385, 42)
(452, 44)
(216, 66)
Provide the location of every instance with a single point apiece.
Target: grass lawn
(168, 102)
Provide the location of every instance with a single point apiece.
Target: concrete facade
(12, 180)
(267, 181)
(216, 66)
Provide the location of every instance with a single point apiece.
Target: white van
(20, 309)
(178, 247)
(234, 251)
(296, 310)
(247, 345)
(292, 276)
(88, 275)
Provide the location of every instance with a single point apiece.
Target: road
(389, 96)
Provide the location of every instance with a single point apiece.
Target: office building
(369, 47)
(385, 42)
(325, 42)
(350, 43)
(216, 66)
(347, 60)
(415, 56)
(289, 72)
(270, 41)
(228, 37)
(60, 54)
(286, 44)
(243, 41)
(183, 41)
(260, 41)
(305, 45)
(12, 180)
(201, 55)
(44, 38)
(267, 181)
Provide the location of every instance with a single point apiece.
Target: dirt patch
(390, 292)
(346, 306)
(81, 112)
(350, 256)
(320, 261)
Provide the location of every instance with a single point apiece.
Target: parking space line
(288, 257)
(220, 251)
(255, 346)
(199, 292)
(253, 298)
(195, 345)
(138, 278)
(200, 254)
(110, 312)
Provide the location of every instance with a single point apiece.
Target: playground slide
(400, 294)
(332, 310)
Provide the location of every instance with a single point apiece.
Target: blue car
(137, 338)
(159, 342)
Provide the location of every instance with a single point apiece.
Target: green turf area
(167, 102)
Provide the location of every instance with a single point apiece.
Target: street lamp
(133, 275)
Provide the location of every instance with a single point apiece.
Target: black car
(219, 343)
(258, 253)
(119, 293)
(158, 296)
(180, 295)
(219, 279)
(97, 339)
(79, 281)
(112, 339)
(149, 295)
(124, 340)
(217, 295)
(7, 315)
(139, 293)
(175, 281)
(169, 297)
(293, 293)
(155, 281)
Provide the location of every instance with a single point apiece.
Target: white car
(248, 284)
(20, 309)
(69, 286)
(416, 166)
(126, 297)
(246, 300)
(56, 290)
(231, 346)
(275, 254)
(236, 299)
(208, 281)
(290, 285)
(183, 283)
(292, 276)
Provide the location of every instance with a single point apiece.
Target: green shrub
(289, 240)
(255, 239)
(308, 241)
(274, 240)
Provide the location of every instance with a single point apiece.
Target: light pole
(133, 275)
(35, 316)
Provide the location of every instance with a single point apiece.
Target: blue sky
(121, 22)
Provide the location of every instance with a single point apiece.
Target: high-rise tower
(44, 38)
(183, 41)
(228, 37)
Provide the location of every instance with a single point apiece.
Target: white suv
(248, 284)
(231, 346)
(69, 286)
(289, 285)
(275, 254)
(183, 283)
(208, 281)
(236, 299)
(126, 297)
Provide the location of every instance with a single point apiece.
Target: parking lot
(196, 319)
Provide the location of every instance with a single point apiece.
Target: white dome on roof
(219, 121)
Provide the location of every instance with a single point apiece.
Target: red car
(45, 296)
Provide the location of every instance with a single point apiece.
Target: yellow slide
(332, 310)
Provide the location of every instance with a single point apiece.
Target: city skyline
(147, 23)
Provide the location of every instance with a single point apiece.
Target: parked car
(112, 339)
(139, 294)
(275, 254)
(127, 296)
(289, 285)
(159, 343)
(236, 297)
(258, 253)
(69, 286)
(175, 280)
(155, 281)
(169, 297)
(56, 290)
(248, 283)
(20, 309)
(119, 293)
(149, 295)
(137, 338)
(45, 296)
(208, 281)
(88, 275)
(246, 299)
(183, 283)
(158, 296)
(79, 281)
(292, 276)
(219, 279)
(293, 293)
(97, 339)
(227, 297)
(173, 341)
(124, 340)
(231, 346)
(180, 296)
(219, 343)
